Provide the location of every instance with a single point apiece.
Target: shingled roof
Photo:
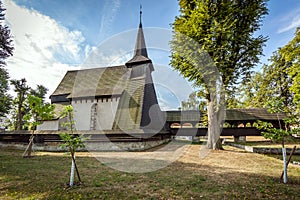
(242, 114)
(252, 114)
(104, 81)
(93, 82)
(140, 52)
(129, 112)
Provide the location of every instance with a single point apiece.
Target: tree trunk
(19, 117)
(216, 115)
(214, 130)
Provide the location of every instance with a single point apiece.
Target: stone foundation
(92, 146)
(108, 140)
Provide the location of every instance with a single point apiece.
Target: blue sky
(53, 36)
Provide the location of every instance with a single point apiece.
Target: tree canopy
(21, 88)
(273, 83)
(28, 107)
(6, 50)
(38, 111)
(291, 53)
(215, 38)
(6, 46)
(225, 30)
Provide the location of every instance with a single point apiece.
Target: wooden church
(112, 98)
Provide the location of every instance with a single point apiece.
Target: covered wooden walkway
(233, 118)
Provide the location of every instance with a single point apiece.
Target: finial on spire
(140, 13)
(140, 55)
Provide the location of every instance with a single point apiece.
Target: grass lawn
(294, 157)
(259, 141)
(228, 174)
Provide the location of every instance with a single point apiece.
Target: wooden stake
(28, 150)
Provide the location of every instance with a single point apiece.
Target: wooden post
(290, 157)
(28, 150)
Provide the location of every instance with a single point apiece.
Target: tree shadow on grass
(43, 176)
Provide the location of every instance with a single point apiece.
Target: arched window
(175, 125)
(93, 116)
(187, 125)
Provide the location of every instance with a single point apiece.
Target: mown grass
(295, 158)
(259, 141)
(46, 177)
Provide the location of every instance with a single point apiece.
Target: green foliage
(224, 29)
(28, 107)
(275, 105)
(40, 92)
(196, 101)
(251, 90)
(70, 139)
(6, 50)
(284, 130)
(5, 98)
(214, 46)
(68, 113)
(6, 46)
(38, 111)
(275, 134)
(19, 103)
(273, 83)
(291, 53)
(277, 81)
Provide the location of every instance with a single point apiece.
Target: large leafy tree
(194, 102)
(5, 98)
(6, 50)
(224, 30)
(250, 91)
(277, 81)
(38, 111)
(40, 92)
(28, 105)
(291, 53)
(272, 84)
(22, 89)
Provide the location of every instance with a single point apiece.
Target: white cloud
(290, 20)
(293, 23)
(98, 57)
(108, 18)
(44, 50)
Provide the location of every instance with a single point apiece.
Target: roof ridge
(85, 69)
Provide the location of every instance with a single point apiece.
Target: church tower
(138, 107)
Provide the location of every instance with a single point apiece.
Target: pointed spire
(140, 45)
(140, 51)
(140, 15)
